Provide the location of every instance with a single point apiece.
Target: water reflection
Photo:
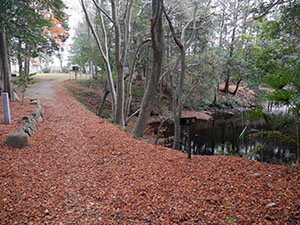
(221, 137)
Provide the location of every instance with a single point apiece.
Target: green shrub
(23, 81)
(46, 70)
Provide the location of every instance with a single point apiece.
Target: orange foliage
(56, 32)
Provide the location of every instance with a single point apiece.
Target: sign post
(188, 121)
(5, 107)
(75, 69)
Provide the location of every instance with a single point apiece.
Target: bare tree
(104, 51)
(121, 45)
(120, 54)
(178, 78)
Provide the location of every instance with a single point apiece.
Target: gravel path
(43, 89)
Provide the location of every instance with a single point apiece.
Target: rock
(256, 175)
(34, 115)
(37, 117)
(20, 139)
(28, 128)
(270, 204)
(17, 140)
(34, 101)
(28, 119)
(39, 112)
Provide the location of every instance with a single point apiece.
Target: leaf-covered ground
(80, 169)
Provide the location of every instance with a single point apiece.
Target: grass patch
(60, 76)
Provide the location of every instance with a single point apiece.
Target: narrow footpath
(80, 169)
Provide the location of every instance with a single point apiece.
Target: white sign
(5, 107)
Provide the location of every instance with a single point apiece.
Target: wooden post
(188, 121)
(189, 141)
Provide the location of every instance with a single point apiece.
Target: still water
(221, 136)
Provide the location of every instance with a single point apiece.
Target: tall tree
(103, 47)
(5, 67)
(121, 44)
(120, 54)
(157, 37)
(188, 31)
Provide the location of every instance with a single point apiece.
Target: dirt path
(43, 89)
(80, 169)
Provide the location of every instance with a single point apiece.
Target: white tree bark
(121, 48)
(103, 48)
(121, 45)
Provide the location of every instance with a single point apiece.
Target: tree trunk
(20, 60)
(120, 67)
(1, 76)
(5, 64)
(130, 79)
(216, 92)
(231, 50)
(227, 80)
(91, 71)
(157, 36)
(20, 63)
(104, 53)
(60, 58)
(297, 137)
(102, 105)
(27, 62)
(237, 86)
(120, 54)
(183, 44)
(27, 66)
(178, 102)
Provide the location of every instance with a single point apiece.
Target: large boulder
(17, 140)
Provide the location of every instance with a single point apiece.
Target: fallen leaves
(80, 169)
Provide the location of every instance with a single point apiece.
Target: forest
(190, 55)
(102, 138)
(162, 58)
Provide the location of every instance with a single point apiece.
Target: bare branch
(178, 43)
(103, 11)
(137, 51)
(132, 115)
(189, 92)
(127, 26)
(269, 7)
(128, 97)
